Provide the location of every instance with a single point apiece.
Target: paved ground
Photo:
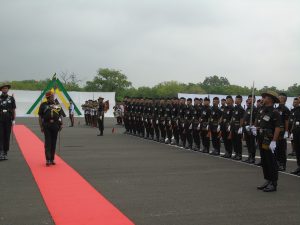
(151, 183)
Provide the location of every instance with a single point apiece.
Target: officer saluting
(50, 120)
(7, 119)
(267, 138)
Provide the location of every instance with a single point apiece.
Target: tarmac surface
(151, 183)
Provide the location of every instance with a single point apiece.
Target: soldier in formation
(194, 123)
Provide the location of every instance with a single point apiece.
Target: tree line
(111, 80)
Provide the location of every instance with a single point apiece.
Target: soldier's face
(197, 102)
(282, 99)
(223, 103)
(295, 103)
(238, 101)
(189, 102)
(229, 101)
(51, 98)
(4, 90)
(206, 103)
(216, 102)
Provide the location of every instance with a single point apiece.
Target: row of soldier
(190, 125)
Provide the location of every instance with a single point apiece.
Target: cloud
(153, 41)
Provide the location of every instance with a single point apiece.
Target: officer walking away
(267, 138)
(71, 112)
(7, 119)
(50, 120)
(100, 114)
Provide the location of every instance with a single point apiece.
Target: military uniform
(225, 130)
(281, 152)
(196, 126)
(50, 120)
(267, 137)
(7, 117)
(295, 133)
(249, 137)
(204, 132)
(214, 128)
(100, 114)
(237, 130)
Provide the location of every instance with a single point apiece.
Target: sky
(153, 41)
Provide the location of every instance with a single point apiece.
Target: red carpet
(70, 199)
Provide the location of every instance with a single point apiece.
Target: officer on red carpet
(50, 120)
(7, 119)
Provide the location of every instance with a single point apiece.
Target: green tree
(108, 80)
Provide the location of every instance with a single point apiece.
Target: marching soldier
(295, 135)
(225, 126)
(237, 128)
(250, 113)
(50, 121)
(7, 119)
(281, 152)
(156, 119)
(204, 121)
(100, 114)
(214, 126)
(267, 138)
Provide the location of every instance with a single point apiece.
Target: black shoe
(281, 168)
(215, 152)
(48, 163)
(238, 158)
(247, 160)
(205, 150)
(53, 163)
(261, 187)
(296, 172)
(292, 154)
(100, 135)
(226, 156)
(270, 188)
(252, 161)
(258, 164)
(234, 157)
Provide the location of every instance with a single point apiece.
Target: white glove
(198, 127)
(13, 122)
(291, 137)
(273, 146)
(240, 131)
(286, 135)
(156, 121)
(170, 123)
(248, 128)
(191, 126)
(229, 128)
(253, 130)
(207, 127)
(218, 128)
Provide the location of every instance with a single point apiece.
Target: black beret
(189, 99)
(206, 99)
(296, 99)
(283, 94)
(229, 96)
(216, 98)
(182, 98)
(223, 99)
(196, 99)
(238, 96)
(200, 99)
(250, 96)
